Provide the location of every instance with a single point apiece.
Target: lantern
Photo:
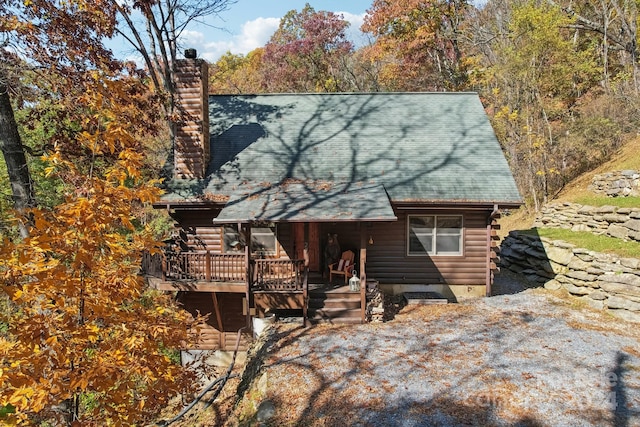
(354, 282)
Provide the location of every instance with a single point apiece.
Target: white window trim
(434, 236)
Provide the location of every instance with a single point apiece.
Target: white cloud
(254, 33)
(353, 32)
(192, 38)
(355, 20)
(257, 33)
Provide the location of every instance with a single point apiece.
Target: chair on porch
(344, 267)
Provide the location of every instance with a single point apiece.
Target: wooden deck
(232, 292)
(205, 271)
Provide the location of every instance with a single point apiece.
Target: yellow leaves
(80, 321)
(81, 382)
(5, 347)
(550, 171)
(19, 398)
(507, 113)
(17, 294)
(133, 342)
(92, 332)
(52, 340)
(54, 162)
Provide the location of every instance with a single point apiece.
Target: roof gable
(419, 146)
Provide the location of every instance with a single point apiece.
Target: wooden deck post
(305, 284)
(163, 265)
(207, 266)
(247, 270)
(216, 309)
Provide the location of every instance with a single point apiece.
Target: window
(263, 239)
(435, 235)
(232, 241)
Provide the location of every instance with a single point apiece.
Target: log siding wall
(212, 335)
(201, 234)
(388, 262)
(387, 259)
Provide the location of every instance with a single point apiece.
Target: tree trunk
(14, 157)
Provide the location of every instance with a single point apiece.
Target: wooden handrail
(280, 275)
(270, 274)
(195, 266)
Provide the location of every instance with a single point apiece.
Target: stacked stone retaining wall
(617, 183)
(622, 223)
(604, 281)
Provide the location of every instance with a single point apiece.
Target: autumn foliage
(85, 341)
(418, 42)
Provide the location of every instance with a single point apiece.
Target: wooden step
(334, 304)
(342, 303)
(344, 300)
(334, 315)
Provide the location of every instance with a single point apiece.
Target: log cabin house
(411, 183)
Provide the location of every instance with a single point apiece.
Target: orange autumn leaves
(83, 340)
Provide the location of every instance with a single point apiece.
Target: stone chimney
(191, 147)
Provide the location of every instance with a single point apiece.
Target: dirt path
(530, 359)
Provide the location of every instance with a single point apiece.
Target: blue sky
(249, 24)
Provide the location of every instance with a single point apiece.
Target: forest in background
(559, 79)
(84, 135)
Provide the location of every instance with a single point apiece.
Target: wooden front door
(312, 236)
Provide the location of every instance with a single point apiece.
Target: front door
(313, 237)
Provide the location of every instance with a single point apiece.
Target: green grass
(621, 202)
(587, 240)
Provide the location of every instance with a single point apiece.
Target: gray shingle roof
(318, 201)
(422, 147)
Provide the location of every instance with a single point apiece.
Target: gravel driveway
(532, 358)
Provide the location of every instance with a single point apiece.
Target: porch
(262, 284)
(206, 271)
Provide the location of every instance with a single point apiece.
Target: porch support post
(363, 274)
(216, 309)
(164, 265)
(305, 280)
(246, 228)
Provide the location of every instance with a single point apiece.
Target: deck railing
(275, 275)
(195, 266)
(152, 264)
(280, 275)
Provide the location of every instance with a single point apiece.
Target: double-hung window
(434, 235)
